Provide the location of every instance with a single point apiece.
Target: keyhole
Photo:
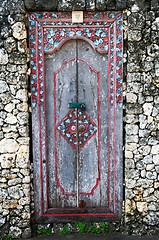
(81, 128)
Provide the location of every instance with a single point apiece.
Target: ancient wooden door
(77, 116)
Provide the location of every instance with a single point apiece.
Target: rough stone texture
(19, 31)
(141, 100)
(14, 148)
(141, 107)
(3, 57)
(99, 5)
(8, 145)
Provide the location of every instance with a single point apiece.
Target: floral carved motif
(48, 31)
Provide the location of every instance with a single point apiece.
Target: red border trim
(79, 214)
(45, 119)
(39, 107)
(109, 121)
(75, 24)
(114, 90)
(114, 103)
(55, 128)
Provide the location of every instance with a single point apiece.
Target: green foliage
(9, 237)
(94, 229)
(131, 230)
(104, 227)
(81, 226)
(47, 231)
(64, 230)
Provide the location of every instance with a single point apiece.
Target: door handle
(82, 106)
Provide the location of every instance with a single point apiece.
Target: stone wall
(141, 111)
(14, 125)
(142, 119)
(88, 5)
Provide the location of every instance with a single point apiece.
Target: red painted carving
(111, 25)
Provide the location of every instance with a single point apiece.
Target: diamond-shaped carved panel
(86, 128)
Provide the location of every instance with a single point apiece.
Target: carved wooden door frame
(47, 33)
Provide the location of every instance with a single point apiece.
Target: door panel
(90, 156)
(60, 90)
(61, 77)
(72, 63)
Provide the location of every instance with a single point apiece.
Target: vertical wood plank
(89, 155)
(99, 81)
(62, 176)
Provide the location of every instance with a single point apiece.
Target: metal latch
(77, 105)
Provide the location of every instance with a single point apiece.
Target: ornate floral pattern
(48, 31)
(67, 128)
(54, 37)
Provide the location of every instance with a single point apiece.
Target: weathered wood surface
(89, 154)
(66, 155)
(59, 188)
(36, 157)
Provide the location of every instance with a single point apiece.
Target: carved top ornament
(49, 31)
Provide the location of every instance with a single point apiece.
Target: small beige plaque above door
(77, 16)
(76, 82)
